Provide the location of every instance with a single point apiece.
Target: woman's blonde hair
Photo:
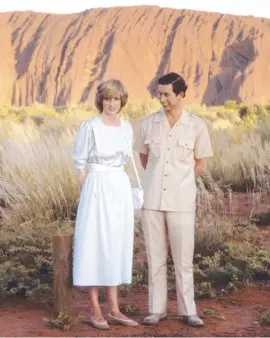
(109, 89)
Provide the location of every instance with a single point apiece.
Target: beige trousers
(177, 229)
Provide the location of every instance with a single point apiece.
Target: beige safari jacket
(169, 178)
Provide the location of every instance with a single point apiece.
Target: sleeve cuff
(140, 150)
(79, 166)
(207, 155)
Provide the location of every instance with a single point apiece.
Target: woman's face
(111, 106)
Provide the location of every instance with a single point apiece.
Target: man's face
(168, 99)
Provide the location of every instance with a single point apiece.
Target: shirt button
(164, 189)
(169, 148)
(167, 162)
(170, 135)
(165, 175)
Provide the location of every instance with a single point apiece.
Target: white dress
(104, 231)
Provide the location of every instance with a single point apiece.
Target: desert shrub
(26, 257)
(251, 114)
(235, 265)
(62, 322)
(137, 110)
(129, 309)
(231, 104)
(211, 228)
(211, 312)
(204, 290)
(265, 318)
(241, 162)
(261, 219)
(38, 180)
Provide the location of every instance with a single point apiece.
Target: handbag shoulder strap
(131, 155)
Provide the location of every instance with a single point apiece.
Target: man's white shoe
(154, 318)
(194, 321)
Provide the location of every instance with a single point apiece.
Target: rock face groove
(59, 59)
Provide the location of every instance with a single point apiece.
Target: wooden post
(62, 274)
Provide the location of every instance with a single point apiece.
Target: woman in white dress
(104, 231)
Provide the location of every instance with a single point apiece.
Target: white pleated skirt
(104, 231)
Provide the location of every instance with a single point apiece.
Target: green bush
(26, 260)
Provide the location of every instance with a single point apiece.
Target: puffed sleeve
(84, 143)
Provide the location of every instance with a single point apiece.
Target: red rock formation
(59, 59)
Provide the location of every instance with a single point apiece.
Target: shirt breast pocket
(153, 146)
(184, 151)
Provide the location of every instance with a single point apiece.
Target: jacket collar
(161, 117)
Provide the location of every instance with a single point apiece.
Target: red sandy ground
(236, 314)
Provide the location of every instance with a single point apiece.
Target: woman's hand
(81, 177)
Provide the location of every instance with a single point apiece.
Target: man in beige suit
(174, 146)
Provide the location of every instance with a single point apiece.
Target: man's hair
(177, 82)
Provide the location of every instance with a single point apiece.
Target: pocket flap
(150, 140)
(187, 143)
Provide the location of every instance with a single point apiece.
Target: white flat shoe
(125, 322)
(99, 325)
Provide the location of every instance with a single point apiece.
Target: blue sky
(259, 8)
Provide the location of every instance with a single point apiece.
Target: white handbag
(137, 193)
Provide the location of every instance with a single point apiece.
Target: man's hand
(200, 166)
(144, 159)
